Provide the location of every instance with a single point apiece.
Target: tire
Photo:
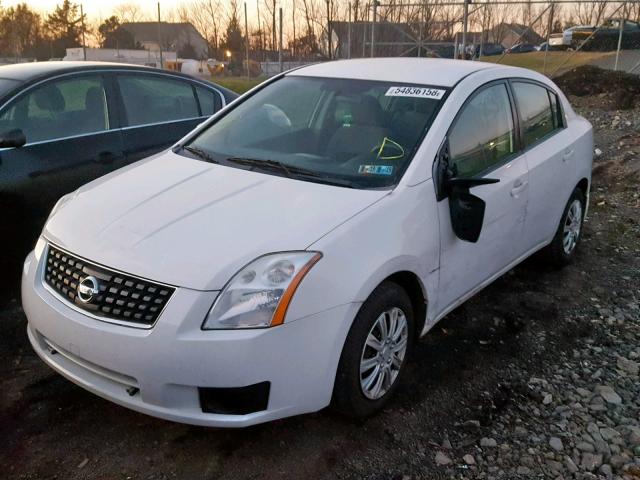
(557, 252)
(349, 395)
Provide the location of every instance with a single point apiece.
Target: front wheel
(375, 353)
(564, 245)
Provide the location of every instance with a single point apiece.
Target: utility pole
(159, 37)
(373, 27)
(349, 33)
(84, 45)
(465, 25)
(329, 29)
(293, 22)
(280, 42)
(246, 37)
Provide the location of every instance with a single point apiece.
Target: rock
(590, 461)
(547, 399)
(609, 394)
(634, 435)
(556, 444)
(628, 366)
(522, 470)
(606, 471)
(617, 461)
(442, 459)
(469, 460)
(585, 447)
(488, 443)
(609, 433)
(570, 464)
(83, 463)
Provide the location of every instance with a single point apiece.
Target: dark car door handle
(105, 157)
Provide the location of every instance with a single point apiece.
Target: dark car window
(483, 134)
(58, 109)
(209, 100)
(153, 99)
(536, 114)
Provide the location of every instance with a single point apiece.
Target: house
(178, 37)
(508, 34)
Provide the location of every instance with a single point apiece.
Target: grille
(121, 297)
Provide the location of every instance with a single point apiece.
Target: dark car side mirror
(12, 139)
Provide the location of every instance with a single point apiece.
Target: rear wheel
(375, 352)
(564, 245)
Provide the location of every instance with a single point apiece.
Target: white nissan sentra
(288, 253)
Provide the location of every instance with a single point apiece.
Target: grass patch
(238, 84)
(535, 60)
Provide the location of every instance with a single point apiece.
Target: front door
(483, 144)
(69, 142)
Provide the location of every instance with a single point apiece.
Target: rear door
(483, 143)
(550, 159)
(158, 109)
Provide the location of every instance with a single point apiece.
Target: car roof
(33, 71)
(29, 71)
(425, 71)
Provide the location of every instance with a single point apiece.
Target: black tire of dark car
(348, 397)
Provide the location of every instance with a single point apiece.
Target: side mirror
(12, 139)
(466, 210)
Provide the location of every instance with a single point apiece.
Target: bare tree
(129, 12)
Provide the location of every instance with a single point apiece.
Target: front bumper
(158, 371)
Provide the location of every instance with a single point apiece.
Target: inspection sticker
(421, 92)
(375, 169)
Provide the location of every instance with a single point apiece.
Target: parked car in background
(63, 124)
(566, 38)
(604, 38)
(522, 48)
(544, 46)
(489, 49)
(288, 253)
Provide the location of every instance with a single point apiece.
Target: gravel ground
(535, 377)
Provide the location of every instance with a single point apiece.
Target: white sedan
(288, 253)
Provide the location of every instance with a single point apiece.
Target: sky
(96, 9)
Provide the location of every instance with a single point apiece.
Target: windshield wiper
(291, 171)
(201, 154)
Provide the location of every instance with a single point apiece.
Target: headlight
(260, 293)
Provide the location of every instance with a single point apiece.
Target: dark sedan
(522, 48)
(63, 124)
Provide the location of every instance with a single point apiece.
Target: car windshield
(352, 133)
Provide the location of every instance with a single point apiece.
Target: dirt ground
(468, 374)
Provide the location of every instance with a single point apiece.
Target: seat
(362, 128)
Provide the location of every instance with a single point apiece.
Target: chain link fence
(549, 36)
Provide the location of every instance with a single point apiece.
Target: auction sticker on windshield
(421, 92)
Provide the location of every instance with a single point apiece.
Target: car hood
(193, 224)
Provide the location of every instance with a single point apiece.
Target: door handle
(518, 186)
(105, 158)
(567, 155)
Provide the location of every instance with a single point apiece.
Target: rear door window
(152, 99)
(539, 117)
